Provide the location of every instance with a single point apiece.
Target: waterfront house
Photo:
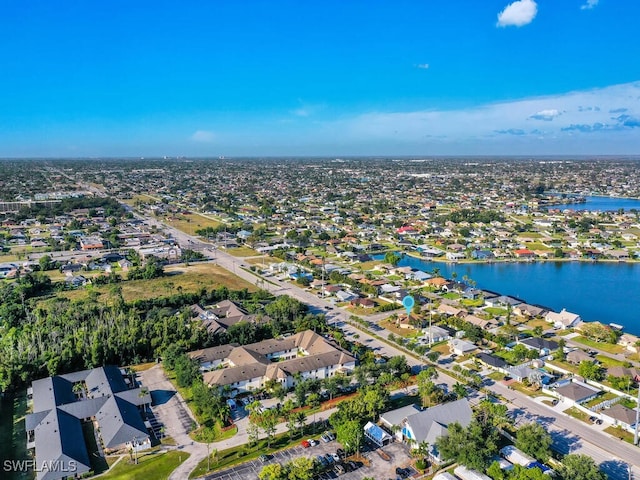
(562, 320)
(530, 311)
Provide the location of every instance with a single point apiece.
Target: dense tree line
(473, 216)
(111, 206)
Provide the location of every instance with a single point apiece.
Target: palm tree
(460, 390)
(78, 389)
(144, 391)
(300, 419)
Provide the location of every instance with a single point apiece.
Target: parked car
(336, 457)
(329, 458)
(312, 442)
(339, 469)
(403, 472)
(340, 452)
(305, 444)
(322, 460)
(264, 458)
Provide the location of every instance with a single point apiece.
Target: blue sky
(419, 77)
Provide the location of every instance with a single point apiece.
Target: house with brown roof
(576, 356)
(620, 416)
(248, 367)
(577, 392)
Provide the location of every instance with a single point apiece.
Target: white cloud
(423, 66)
(203, 136)
(490, 126)
(547, 115)
(518, 13)
(589, 5)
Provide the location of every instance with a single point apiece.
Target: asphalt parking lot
(377, 467)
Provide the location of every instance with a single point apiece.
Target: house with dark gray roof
(541, 345)
(61, 404)
(491, 360)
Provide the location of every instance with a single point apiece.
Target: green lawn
(244, 453)
(579, 414)
(600, 398)
(156, 466)
(607, 361)
(243, 252)
(619, 433)
(13, 440)
(496, 311)
(605, 347)
(452, 296)
(188, 279)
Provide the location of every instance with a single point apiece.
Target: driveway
(172, 412)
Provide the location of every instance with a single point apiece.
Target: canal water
(607, 292)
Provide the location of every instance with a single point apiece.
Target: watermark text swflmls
(45, 466)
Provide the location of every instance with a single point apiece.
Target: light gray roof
(575, 391)
(56, 439)
(57, 416)
(120, 422)
(396, 417)
(105, 381)
(50, 392)
(433, 422)
(86, 408)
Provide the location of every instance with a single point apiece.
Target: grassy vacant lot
(156, 466)
(495, 311)
(140, 198)
(538, 322)
(619, 433)
(605, 347)
(178, 277)
(263, 259)
(13, 444)
(607, 361)
(190, 223)
(242, 252)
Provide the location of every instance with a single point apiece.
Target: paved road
(570, 435)
(574, 436)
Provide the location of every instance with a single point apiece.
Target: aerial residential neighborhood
(167, 335)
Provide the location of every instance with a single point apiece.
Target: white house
(562, 320)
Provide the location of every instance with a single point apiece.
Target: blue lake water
(607, 292)
(602, 204)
